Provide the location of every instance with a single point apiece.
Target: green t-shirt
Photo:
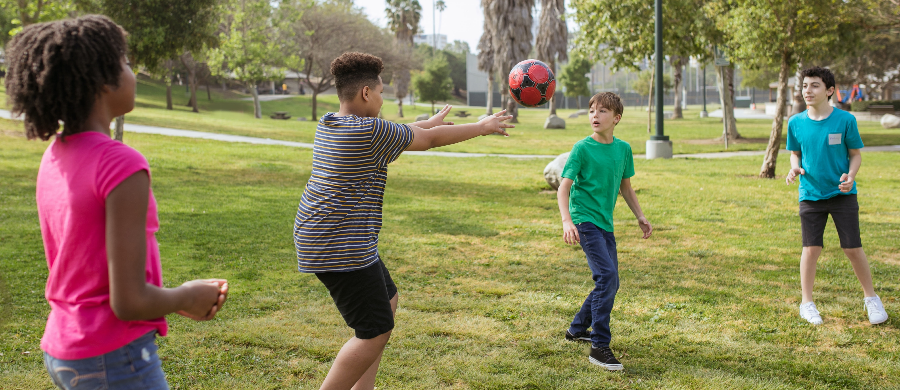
(597, 170)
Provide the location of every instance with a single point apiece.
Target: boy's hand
(493, 124)
(846, 183)
(644, 224)
(570, 233)
(437, 119)
(793, 173)
(207, 297)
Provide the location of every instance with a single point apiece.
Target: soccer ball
(531, 83)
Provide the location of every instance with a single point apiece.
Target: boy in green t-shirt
(598, 169)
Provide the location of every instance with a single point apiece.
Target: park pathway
(133, 128)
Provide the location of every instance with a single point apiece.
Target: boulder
(553, 170)
(889, 121)
(554, 122)
(480, 117)
(573, 116)
(422, 117)
(302, 119)
(582, 112)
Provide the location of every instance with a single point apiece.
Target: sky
(462, 20)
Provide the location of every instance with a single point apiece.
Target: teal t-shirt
(824, 151)
(597, 170)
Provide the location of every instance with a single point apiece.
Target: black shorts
(364, 298)
(844, 212)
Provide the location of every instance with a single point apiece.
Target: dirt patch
(716, 141)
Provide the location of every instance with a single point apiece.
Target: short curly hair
(353, 71)
(823, 73)
(57, 69)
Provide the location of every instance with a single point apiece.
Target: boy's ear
(365, 93)
(618, 118)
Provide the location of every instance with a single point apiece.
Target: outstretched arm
(442, 135)
(632, 201)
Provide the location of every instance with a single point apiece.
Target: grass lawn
(229, 114)
(486, 284)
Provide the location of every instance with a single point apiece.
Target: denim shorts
(134, 366)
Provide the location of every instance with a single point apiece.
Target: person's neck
(99, 119)
(603, 137)
(820, 111)
(351, 109)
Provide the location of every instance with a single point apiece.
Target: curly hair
(57, 69)
(354, 70)
(609, 101)
(820, 72)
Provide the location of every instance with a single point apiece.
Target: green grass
(486, 284)
(228, 114)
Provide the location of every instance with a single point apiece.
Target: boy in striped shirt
(339, 217)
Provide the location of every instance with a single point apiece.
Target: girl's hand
(570, 233)
(493, 124)
(205, 298)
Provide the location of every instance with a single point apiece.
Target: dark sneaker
(580, 336)
(605, 358)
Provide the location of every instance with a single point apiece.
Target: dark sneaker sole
(609, 367)
(578, 339)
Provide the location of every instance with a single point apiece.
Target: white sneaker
(876, 311)
(809, 312)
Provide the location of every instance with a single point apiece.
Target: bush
(864, 106)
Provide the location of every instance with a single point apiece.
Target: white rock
(573, 116)
(422, 117)
(553, 170)
(582, 112)
(480, 117)
(554, 122)
(889, 121)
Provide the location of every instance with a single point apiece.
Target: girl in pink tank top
(97, 212)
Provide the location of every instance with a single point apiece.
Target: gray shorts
(844, 212)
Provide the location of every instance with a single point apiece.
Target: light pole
(659, 145)
(704, 114)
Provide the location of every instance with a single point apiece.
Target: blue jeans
(134, 366)
(600, 247)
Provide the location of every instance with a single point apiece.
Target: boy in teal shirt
(825, 154)
(598, 169)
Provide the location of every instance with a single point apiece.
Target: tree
(486, 52)
(403, 20)
(161, 30)
(511, 39)
(643, 83)
(552, 40)
(793, 30)
(875, 63)
(326, 30)
(623, 32)
(434, 83)
(573, 79)
(248, 50)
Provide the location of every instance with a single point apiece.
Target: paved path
(133, 128)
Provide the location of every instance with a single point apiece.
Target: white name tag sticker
(834, 139)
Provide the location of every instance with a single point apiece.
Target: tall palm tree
(486, 53)
(403, 20)
(512, 40)
(553, 37)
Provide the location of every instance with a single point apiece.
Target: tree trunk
(188, 61)
(257, 109)
(208, 93)
(677, 68)
(768, 167)
(168, 81)
(512, 108)
(886, 91)
(725, 83)
(553, 98)
(315, 102)
(120, 127)
(400, 106)
(490, 96)
(798, 104)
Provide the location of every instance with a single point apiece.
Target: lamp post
(659, 145)
(704, 114)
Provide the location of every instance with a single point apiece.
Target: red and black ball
(531, 83)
